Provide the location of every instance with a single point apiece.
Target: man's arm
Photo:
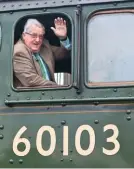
(60, 30)
(24, 70)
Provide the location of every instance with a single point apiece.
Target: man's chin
(35, 50)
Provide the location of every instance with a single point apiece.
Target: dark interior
(48, 20)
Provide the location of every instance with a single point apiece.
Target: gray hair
(31, 22)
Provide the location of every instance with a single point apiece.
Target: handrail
(76, 83)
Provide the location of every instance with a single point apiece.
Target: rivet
(53, 2)
(11, 12)
(62, 1)
(4, 6)
(11, 161)
(28, 4)
(20, 5)
(128, 118)
(39, 98)
(61, 159)
(61, 151)
(115, 4)
(128, 111)
(12, 5)
(96, 103)
(1, 136)
(63, 97)
(1, 127)
(43, 92)
(63, 104)
(37, 3)
(51, 97)
(78, 91)
(130, 95)
(28, 98)
(48, 108)
(8, 95)
(96, 121)
(20, 161)
(70, 160)
(63, 122)
(115, 90)
(70, 0)
(45, 3)
(71, 151)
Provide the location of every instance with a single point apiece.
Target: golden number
(112, 139)
(17, 140)
(78, 138)
(52, 142)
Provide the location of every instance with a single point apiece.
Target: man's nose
(37, 39)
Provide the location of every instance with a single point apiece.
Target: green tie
(41, 65)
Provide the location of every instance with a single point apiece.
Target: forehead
(36, 29)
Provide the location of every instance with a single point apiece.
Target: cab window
(62, 68)
(110, 48)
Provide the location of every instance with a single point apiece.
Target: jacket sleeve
(25, 71)
(60, 52)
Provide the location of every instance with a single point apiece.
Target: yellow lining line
(74, 112)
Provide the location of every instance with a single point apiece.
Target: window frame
(101, 84)
(63, 87)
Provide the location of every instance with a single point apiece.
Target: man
(34, 58)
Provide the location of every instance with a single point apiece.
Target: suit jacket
(27, 72)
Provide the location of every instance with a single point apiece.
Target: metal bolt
(71, 160)
(63, 104)
(78, 91)
(43, 93)
(128, 118)
(28, 98)
(61, 159)
(71, 151)
(128, 111)
(39, 98)
(1, 136)
(8, 95)
(44, 10)
(96, 103)
(115, 90)
(1, 127)
(115, 4)
(20, 161)
(11, 161)
(63, 122)
(96, 121)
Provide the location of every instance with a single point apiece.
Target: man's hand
(60, 29)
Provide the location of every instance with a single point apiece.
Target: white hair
(31, 22)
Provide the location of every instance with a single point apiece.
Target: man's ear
(22, 36)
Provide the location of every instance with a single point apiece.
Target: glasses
(34, 35)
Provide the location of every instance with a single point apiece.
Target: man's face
(34, 38)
